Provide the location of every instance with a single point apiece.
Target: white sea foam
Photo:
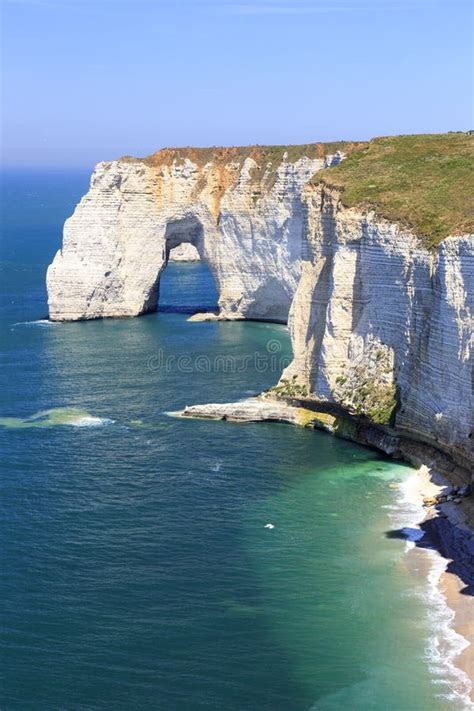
(444, 644)
(90, 421)
(38, 322)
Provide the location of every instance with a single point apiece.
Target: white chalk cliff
(249, 230)
(380, 323)
(376, 319)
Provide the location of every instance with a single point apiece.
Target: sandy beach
(463, 607)
(449, 538)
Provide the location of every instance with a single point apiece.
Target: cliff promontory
(366, 249)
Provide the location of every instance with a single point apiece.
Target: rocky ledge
(259, 409)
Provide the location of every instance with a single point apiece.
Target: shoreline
(451, 653)
(439, 535)
(463, 623)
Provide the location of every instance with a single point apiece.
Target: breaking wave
(444, 644)
(59, 416)
(38, 322)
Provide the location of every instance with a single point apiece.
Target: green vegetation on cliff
(425, 182)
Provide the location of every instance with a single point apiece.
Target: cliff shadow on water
(453, 543)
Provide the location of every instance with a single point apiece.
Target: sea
(154, 562)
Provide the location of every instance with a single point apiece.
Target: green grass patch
(424, 182)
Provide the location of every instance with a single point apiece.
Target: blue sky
(90, 80)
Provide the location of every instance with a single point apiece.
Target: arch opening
(186, 286)
(183, 231)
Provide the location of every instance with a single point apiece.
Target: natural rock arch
(118, 240)
(116, 245)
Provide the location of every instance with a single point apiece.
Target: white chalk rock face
(115, 244)
(384, 327)
(247, 229)
(438, 393)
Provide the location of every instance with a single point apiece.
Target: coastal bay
(145, 572)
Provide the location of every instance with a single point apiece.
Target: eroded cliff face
(244, 218)
(381, 326)
(384, 327)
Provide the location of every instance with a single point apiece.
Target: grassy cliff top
(425, 182)
(261, 154)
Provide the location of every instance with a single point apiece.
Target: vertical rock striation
(384, 327)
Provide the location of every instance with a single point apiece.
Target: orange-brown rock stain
(218, 168)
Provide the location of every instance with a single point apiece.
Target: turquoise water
(137, 572)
